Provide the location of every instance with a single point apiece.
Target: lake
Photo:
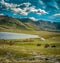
(10, 35)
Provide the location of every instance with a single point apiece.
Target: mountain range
(7, 22)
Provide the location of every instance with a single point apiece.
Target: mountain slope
(27, 24)
(30, 23)
(11, 23)
(48, 25)
(42, 25)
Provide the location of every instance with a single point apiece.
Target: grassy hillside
(31, 50)
(7, 23)
(11, 23)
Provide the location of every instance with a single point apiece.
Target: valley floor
(31, 50)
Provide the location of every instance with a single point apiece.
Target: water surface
(10, 35)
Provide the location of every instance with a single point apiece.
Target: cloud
(2, 14)
(15, 7)
(54, 4)
(19, 11)
(8, 5)
(40, 11)
(37, 11)
(26, 4)
(56, 15)
(32, 18)
(41, 2)
(25, 11)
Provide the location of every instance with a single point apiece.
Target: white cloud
(54, 4)
(9, 5)
(2, 14)
(26, 4)
(56, 15)
(15, 7)
(14, 14)
(32, 18)
(40, 11)
(37, 11)
(32, 9)
(41, 2)
(19, 11)
(25, 11)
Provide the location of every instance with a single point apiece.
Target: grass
(28, 49)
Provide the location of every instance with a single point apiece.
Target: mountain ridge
(28, 24)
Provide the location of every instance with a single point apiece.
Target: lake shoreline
(11, 35)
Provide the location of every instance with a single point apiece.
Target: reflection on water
(9, 35)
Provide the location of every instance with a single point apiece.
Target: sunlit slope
(10, 23)
(29, 51)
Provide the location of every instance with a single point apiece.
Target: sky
(48, 10)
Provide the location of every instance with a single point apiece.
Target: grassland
(31, 50)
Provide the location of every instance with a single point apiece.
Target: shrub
(46, 45)
(38, 44)
(53, 46)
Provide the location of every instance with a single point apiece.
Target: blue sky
(35, 9)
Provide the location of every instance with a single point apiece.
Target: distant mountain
(48, 25)
(41, 24)
(27, 24)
